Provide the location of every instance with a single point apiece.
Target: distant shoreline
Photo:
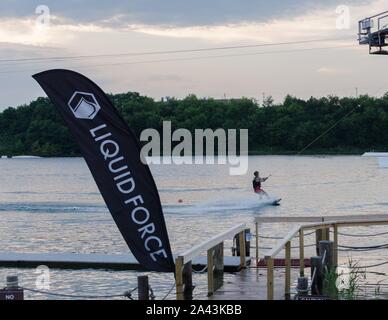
(324, 126)
(250, 154)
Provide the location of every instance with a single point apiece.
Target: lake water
(53, 205)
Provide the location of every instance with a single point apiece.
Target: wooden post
(210, 272)
(218, 274)
(143, 288)
(248, 239)
(242, 249)
(301, 252)
(257, 242)
(188, 281)
(270, 279)
(179, 278)
(335, 244)
(318, 238)
(288, 271)
(326, 234)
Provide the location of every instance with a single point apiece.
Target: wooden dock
(272, 278)
(251, 284)
(75, 261)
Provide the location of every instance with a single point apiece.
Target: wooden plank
(345, 223)
(304, 219)
(231, 264)
(94, 261)
(280, 262)
(277, 219)
(70, 261)
(371, 222)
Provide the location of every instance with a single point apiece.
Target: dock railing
(372, 24)
(285, 244)
(214, 248)
(373, 31)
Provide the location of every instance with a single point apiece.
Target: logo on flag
(84, 105)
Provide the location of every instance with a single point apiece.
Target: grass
(345, 285)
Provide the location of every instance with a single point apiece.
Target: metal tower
(373, 31)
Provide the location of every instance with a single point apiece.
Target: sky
(128, 47)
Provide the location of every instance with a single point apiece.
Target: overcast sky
(75, 28)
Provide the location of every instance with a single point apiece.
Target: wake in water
(185, 190)
(51, 207)
(252, 203)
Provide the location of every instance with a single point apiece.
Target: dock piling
(12, 291)
(316, 275)
(326, 249)
(143, 288)
(303, 286)
(188, 287)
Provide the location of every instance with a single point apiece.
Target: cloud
(165, 77)
(65, 27)
(220, 21)
(64, 30)
(90, 27)
(301, 27)
(331, 71)
(176, 13)
(28, 32)
(319, 22)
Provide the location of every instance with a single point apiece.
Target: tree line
(357, 124)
